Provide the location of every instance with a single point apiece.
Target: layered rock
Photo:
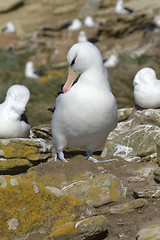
(17, 155)
(97, 191)
(125, 25)
(135, 139)
(42, 131)
(137, 144)
(127, 207)
(94, 227)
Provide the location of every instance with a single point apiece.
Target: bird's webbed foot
(94, 160)
(61, 156)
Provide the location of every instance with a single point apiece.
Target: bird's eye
(73, 61)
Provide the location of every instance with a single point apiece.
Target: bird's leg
(61, 156)
(94, 160)
(89, 154)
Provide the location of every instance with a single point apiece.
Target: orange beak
(71, 77)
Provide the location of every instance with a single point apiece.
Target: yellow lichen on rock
(24, 148)
(49, 179)
(97, 191)
(25, 206)
(11, 148)
(19, 154)
(12, 163)
(114, 193)
(80, 229)
(66, 230)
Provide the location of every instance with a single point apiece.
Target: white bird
(157, 20)
(10, 28)
(146, 88)
(12, 113)
(112, 61)
(120, 9)
(30, 71)
(75, 25)
(88, 22)
(87, 111)
(83, 38)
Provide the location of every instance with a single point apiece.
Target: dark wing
(128, 9)
(39, 72)
(24, 118)
(51, 109)
(93, 40)
(106, 59)
(66, 25)
(4, 29)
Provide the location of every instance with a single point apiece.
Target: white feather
(11, 110)
(146, 88)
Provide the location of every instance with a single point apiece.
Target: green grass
(121, 79)
(144, 59)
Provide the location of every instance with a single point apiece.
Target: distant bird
(120, 9)
(10, 28)
(146, 89)
(88, 22)
(30, 72)
(83, 38)
(13, 121)
(157, 20)
(112, 61)
(75, 25)
(87, 111)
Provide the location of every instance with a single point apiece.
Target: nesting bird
(112, 61)
(13, 122)
(88, 22)
(83, 38)
(30, 71)
(157, 20)
(10, 28)
(146, 88)
(120, 9)
(86, 112)
(75, 25)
